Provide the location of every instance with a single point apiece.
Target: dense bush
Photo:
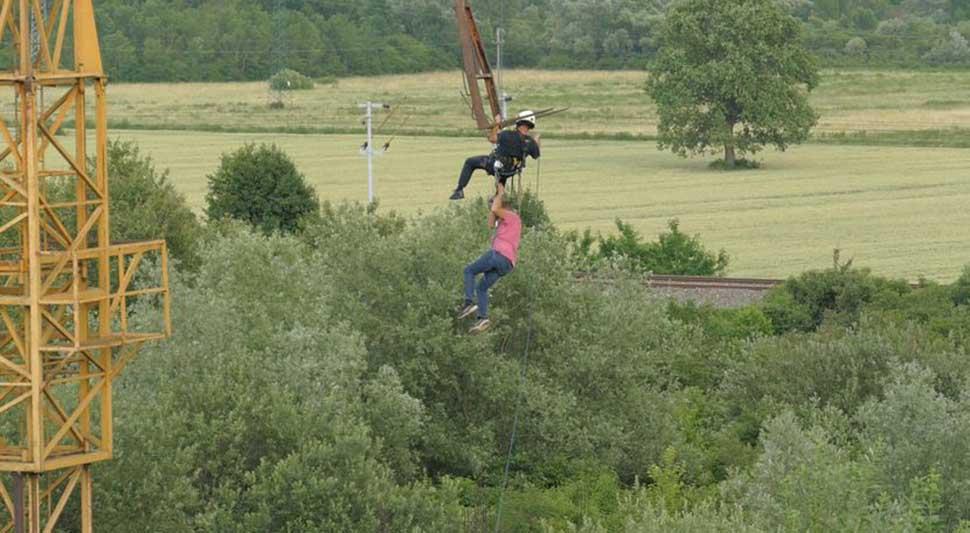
(321, 382)
(257, 401)
(260, 185)
(674, 252)
(290, 80)
(839, 294)
(144, 204)
(723, 324)
(531, 208)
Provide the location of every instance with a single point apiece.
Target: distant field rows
(600, 102)
(900, 211)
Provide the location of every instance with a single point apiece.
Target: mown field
(900, 211)
(601, 103)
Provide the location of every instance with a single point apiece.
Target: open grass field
(900, 211)
(601, 103)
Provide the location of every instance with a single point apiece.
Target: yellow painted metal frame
(65, 289)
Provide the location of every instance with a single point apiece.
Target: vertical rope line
(524, 363)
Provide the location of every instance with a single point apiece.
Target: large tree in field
(732, 74)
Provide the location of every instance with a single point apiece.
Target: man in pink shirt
(495, 264)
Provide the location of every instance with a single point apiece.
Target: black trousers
(481, 162)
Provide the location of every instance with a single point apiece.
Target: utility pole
(504, 98)
(368, 148)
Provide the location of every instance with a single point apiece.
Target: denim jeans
(493, 265)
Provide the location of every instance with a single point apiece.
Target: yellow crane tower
(65, 289)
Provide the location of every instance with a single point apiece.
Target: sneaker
(458, 195)
(467, 311)
(481, 326)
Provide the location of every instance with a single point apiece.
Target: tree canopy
(260, 185)
(318, 381)
(732, 74)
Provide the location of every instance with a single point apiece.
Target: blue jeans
(493, 265)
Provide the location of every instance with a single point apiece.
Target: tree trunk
(729, 157)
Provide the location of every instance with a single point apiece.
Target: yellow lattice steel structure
(65, 289)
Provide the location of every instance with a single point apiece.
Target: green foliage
(724, 324)
(674, 252)
(262, 187)
(839, 294)
(290, 80)
(805, 481)
(466, 382)
(922, 445)
(719, 88)
(320, 382)
(144, 204)
(257, 401)
(246, 39)
(739, 164)
(530, 208)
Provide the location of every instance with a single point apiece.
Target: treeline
(226, 40)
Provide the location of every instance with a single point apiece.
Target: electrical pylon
(65, 289)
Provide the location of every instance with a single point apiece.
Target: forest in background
(232, 40)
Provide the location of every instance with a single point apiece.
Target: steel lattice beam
(64, 287)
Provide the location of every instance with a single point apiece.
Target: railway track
(719, 292)
(710, 283)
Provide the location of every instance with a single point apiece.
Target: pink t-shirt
(507, 237)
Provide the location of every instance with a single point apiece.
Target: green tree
(260, 185)
(732, 74)
(145, 205)
(261, 415)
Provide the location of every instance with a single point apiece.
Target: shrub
(739, 164)
(262, 187)
(954, 49)
(840, 294)
(144, 204)
(856, 46)
(592, 364)
(290, 80)
(806, 481)
(674, 252)
(283, 407)
(530, 208)
(723, 324)
(915, 432)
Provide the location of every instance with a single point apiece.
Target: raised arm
(498, 204)
(497, 127)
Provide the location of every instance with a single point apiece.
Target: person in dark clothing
(508, 158)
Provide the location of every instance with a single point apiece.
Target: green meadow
(900, 211)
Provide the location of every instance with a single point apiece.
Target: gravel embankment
(717, 297)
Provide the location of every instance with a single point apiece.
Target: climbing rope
(524, 364)
(538, 175)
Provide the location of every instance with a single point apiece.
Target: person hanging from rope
(494, 264)
(508, 157)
